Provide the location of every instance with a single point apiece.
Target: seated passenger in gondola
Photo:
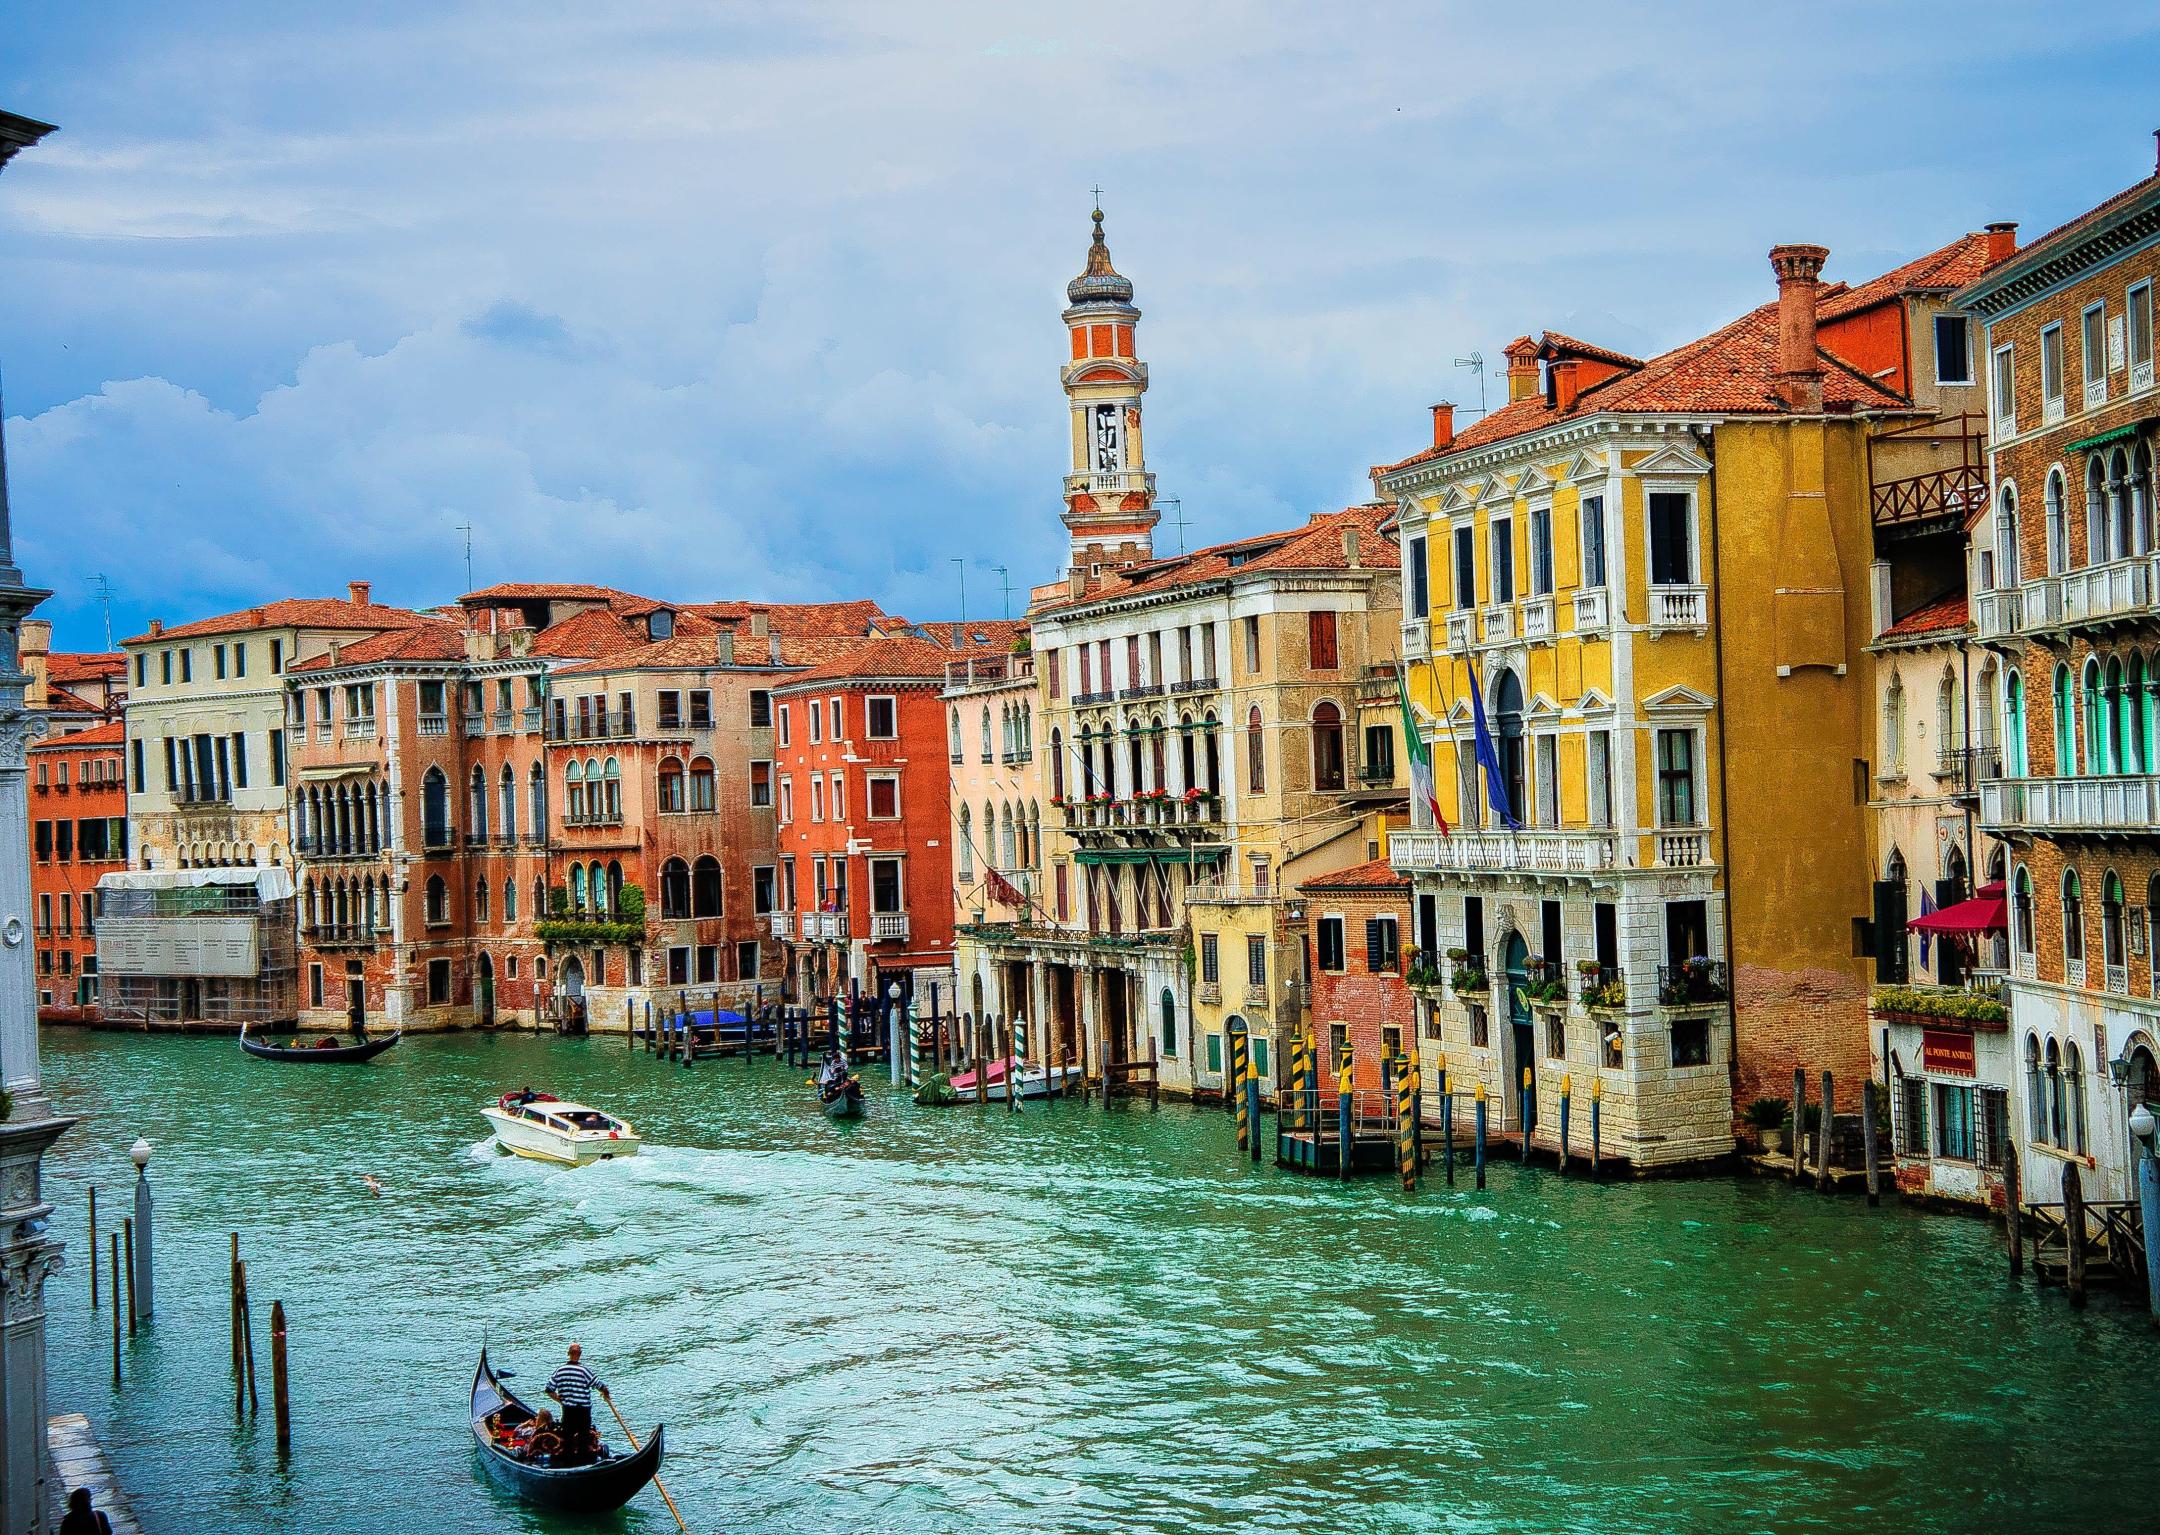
(542, 1440)
(834, 1076)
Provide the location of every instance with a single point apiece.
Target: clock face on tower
(1109, 439)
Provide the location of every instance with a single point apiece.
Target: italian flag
(1421, 779)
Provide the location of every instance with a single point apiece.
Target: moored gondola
(592, 1488)
(321, 1054)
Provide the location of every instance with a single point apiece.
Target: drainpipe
(1704, 440)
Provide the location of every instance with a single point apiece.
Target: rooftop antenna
(960, 564)
(1179, 520)
(466, 529)
(104, 597)
(1475, 362)
(1005, 580)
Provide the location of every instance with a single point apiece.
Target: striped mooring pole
(1343, 1102)
(1597, 1093)
(1527, 1090)
(1447, 1119)
(1406, 1128)
(1480, 1153)
(1567, 1089)
(1240, 1064)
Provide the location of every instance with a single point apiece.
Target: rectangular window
(701, 708)
(1255, 960)
(1474, 927)
(760, 708)
(1953, 1121)
(1418, 578)
(1541, 551)
(1132, 661)
(670, 710)
(1053, 673)
(2051, 373)
(277, 656)
(1087, 671)
(1383, 945)
(1379, 754)
(787, 800)
(1328, 943)
(1672, 538)
(239, 759)
(761, 784)
(884, 791)
(1676, 778)
(881, 719)
(135, 748)
(1912, 1121)
(2139, 305)
(315, 986)
(817, 796)
(2003, 390)
(678, 965)
(165, 667)
(1691, 1042)
(187, 665)
(763, 888)
(239, 658)
(817, 723)
(1210, 965)
(1600, 776)
(142, 669)
(438, 982)
(885, 885)
(1953, 349)
(2092, 358)
(708, 963)
(217, 662)
(784, 733)
(1548, 780)
(1503, 560)
(1593, 540)
(1252, 645)
(1465, 566)
(746, 961)
(1207, 651)
(1320, 640)
(1064, 894)
(277, 757)
(839, 796)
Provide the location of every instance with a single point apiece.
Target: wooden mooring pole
(1567, 1092)
(1867, 1142)
(113, 1237)
(1822, 1138)
(92, 1265)
(1597, 1114)
(1799, 1120)
(2073, 1194)
(127, 1245)
(280, 1383)
(2013, 1211)
(1447, 1120)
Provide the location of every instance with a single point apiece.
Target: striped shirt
(573, 1385)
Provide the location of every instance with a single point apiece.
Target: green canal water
(1064, 1320)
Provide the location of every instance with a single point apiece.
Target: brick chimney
(1566, 382)
(1443, 424)
(1522, 377)
(1350, 545)
(2002, 240)
(359, 593)
(1799, 375)
(157, 626)
(724, 647)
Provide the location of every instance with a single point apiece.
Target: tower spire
(1109, 496)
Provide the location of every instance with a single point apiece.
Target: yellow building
(1656, 576)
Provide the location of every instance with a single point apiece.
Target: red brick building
(78, 831)
(864, 836)
(1357, 922)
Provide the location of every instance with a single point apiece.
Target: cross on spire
(1097, 190)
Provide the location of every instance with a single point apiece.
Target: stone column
(27, 1253)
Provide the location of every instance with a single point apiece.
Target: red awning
(1984, 913)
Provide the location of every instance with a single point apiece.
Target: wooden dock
(78, 1460)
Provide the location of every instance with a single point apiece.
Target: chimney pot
(2002, 240)
(157, 626)
(1566, 377)
(724, 647)
(359, 593)
(1522, 371)
(1443, 424)
(1350, 547)
(1799, 270)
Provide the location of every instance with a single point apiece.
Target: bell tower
(1109, 496)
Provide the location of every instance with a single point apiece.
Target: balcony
(1954, 493)
(1117, 482)
(529, 717)
(475, 724)
(434, 724)
(1692, 983)
(596, 725)
(1141, 690)
(2107, 593)
(1675, 609)
(1496, 626)
(341, 935)
(1195, 685)
(888, 927)
(1460, 632)
(499, 721)
(1100, 696)
(1593, 611)
(1503, 852)
(2104, 806)
(783, 925)
(1967, 767)
(1417, 639)
(360, 727)
(1683, 848)
(1017, 756)
(439, 839)
(1998, 615)
(1537, 618)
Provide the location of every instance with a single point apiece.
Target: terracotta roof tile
(421, 642)
(2098, 214)
(111, 733)
(1558, 345)
(1318, 545)
(60, 700)
(541, 591)
(1951, 267)
(1943, 615)
(290, 613)
(1378, 874)
(900, 657)
(84, 665)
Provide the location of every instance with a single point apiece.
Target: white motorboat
(1034, 1081)
(545, 1128)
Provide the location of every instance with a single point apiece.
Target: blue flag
(1488, 756)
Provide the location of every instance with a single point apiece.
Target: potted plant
(1767, 1115)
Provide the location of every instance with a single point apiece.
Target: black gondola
(594, 1488)
(844, 1101)
(321, 1055)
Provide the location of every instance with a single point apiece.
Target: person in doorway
(81, 1518)
(573, 1386)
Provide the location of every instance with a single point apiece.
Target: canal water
(1064, 1320)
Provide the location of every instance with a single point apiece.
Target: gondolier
(573, 1386)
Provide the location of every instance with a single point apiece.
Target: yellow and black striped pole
(1406, 1086)
(1597, 1094)
(1567, 1089)
(1346, 1137)
(1304, 1082)
(1527, 1101)
(1240, 1064)
(1447, 1117)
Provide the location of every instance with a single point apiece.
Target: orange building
(78, 831)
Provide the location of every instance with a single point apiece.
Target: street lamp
(139, 1154)
(2148, 1189)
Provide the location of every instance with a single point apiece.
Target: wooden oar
(634, 1447)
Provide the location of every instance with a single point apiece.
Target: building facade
(1356, 923)
(2065, 582)
(997, 821)
(78, 833)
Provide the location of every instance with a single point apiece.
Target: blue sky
(761, 301)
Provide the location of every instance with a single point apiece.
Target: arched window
(2021, 911)
(705, 888)
(1188, 754)
(2099, 745)
(577, 887)
(1169, 1023)
(477, 793)
(2036, 1105)
(2013, 747)
(509, 804)
(1212, 744)
(539, 806)
(1157, 742)
(2141, 497)
(2058, 525)
(1327, 746)
(2006, 541)
(2133, 709)
(438, 899)
(1508, 727)
(957, 752)
(510, 915)
(964, 854)
(2074, 1097)
(610, 806)
(1057, 765)
(480, 899)
(2066, 752)
(1893, 724)
(2073, 919)
(2112, 952)
(1255, 752)
(614, 886)
(1946, 716)
(2122, 529)
(1138, 780)
(986, 733)
(435, 808)
(2095, 512)
(672, 799)
(574, 791)
(2058, 1109)
(1008, 848)
(701, 784)
(674, 888)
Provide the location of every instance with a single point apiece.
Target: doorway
(1521, 1035)
(355, 996)
(487, 991)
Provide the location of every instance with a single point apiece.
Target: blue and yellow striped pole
(1447, 1118)
(1567, 1088)
(1527, 1090)
(1597, 1093)
(1480, 1153)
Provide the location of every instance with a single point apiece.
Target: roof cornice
(2045, 265)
